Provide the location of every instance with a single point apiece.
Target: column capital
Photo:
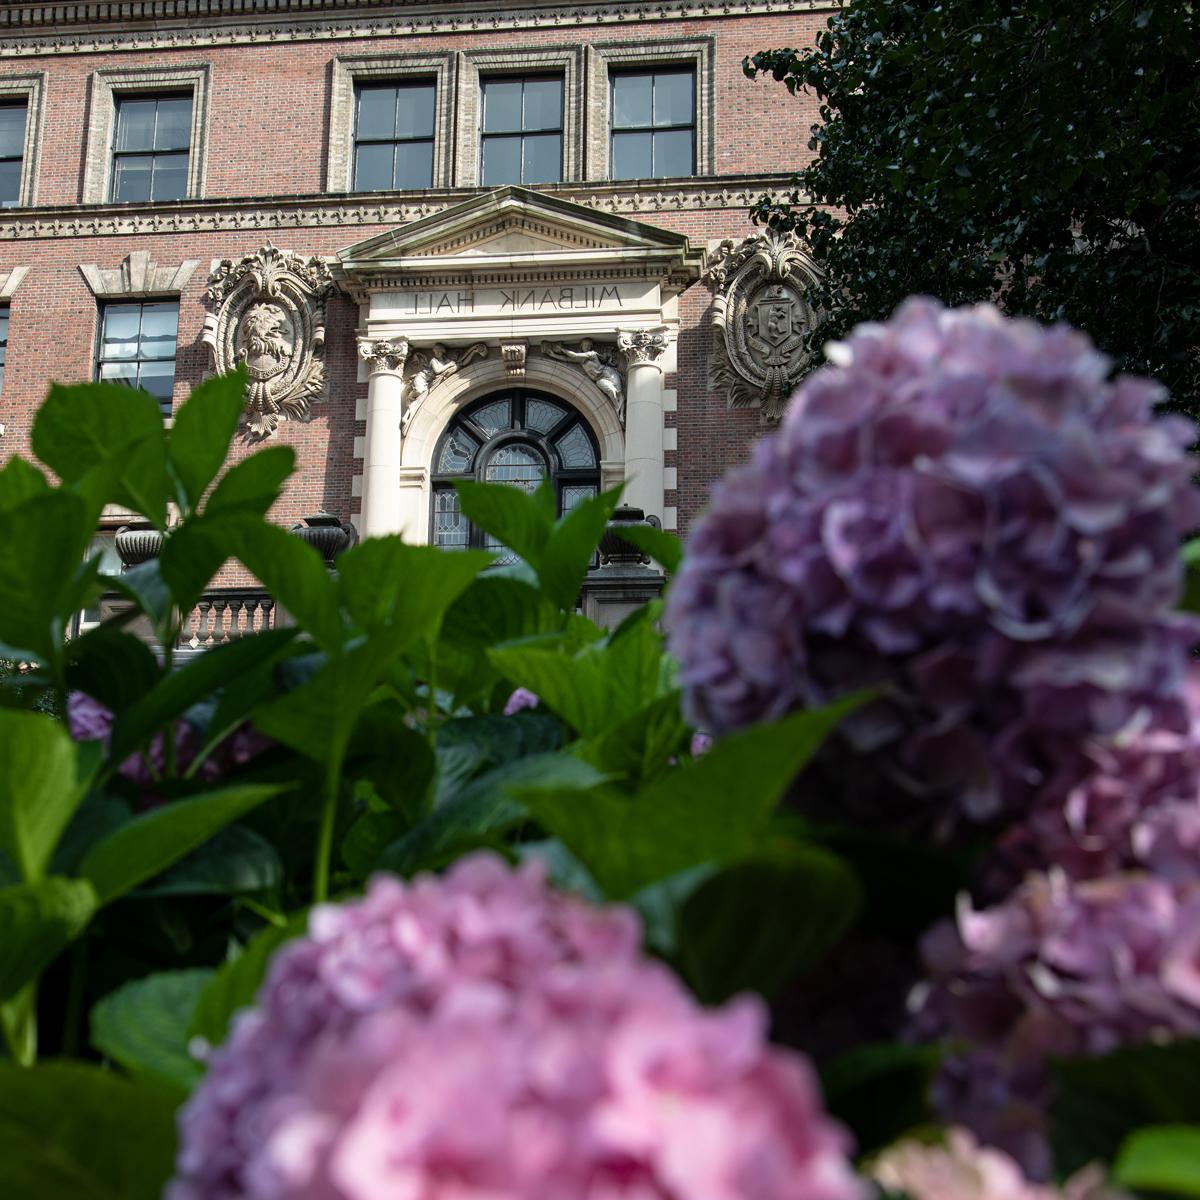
(383, 355)
(644, 346)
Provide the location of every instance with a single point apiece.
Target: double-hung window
(653, 124)
(522, 130)
(150, 149)
(137, 347)
(12, 152)
(393, 136)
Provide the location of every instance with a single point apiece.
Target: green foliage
(1165, 1158)
(956, 160)
(144, 1025)
(70, 1130)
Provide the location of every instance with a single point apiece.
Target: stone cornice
(267, 213)
(107, 26)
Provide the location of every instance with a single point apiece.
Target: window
(137, 347)
(12, 152)
(519, 438)
(150, 151)
(653, 124)
(3, 344)
(522, 131)
(393, 136)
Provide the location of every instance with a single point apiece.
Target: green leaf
(485, 805)
(254, 484)
(235, 861)
(38, 788)
(317, 718)
(762, 921)
(643, 744)
(144, 1025)
(177, 691)
(202, 430)
(37, 922)
(595, 689)
(20, 481)
(146, 587)
(402, 592)
(522, 522)
(113, 666)
(568, 552)
(43, 541)
(294, 574)
(1099, 1102)
(72, 1131)
(151, 842)
(712, 809)
(237, 981)
(665, 548)
(86, 423)
(495, 609)
(1163, 1159)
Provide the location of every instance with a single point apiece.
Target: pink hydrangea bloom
(521, 698)
(1063, 968)
(963, 511)
(481, 1037)
(960, 1169)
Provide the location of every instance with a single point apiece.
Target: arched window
(518, 438)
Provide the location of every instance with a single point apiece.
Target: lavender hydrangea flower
(965, 513)
(521, 698)
(1063, 968)
(480, 1035)
(1130, 802)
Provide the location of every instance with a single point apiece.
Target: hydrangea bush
(884, 880)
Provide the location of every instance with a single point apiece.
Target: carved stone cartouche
(760, 317)
(267, 310)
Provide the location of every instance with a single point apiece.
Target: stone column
(385, 409)
(644, 466)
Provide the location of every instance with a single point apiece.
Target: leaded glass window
(518, 439)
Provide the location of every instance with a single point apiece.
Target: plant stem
(329, 799)
(18, 1021)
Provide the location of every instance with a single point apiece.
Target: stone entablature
(314, 212)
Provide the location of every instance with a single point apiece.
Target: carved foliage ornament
(760, 317)
(268, 311)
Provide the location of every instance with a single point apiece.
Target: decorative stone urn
(137, 542)
(328, 534)
(613, 548)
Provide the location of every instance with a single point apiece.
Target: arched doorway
(518, 437)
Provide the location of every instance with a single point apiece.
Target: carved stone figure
(268, 311)
(598, 363)
(437, 363)
(760, 317)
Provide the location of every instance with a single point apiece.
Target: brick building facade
(469, 204)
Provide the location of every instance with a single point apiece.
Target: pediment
(513, 228)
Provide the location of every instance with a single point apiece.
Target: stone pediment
(514, 231)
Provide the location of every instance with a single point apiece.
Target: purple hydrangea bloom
(1128, 802)
(481, 1036)
(1063, 968)
(964, 512)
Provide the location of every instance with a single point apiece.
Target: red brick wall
(268, 136)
